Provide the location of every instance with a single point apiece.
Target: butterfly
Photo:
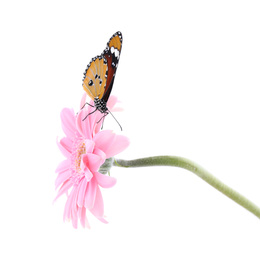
(100, 73)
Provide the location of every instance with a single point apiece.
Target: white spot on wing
(115, 51)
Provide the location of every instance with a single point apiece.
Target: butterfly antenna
(116, 120)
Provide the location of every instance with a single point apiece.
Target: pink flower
(86, 148)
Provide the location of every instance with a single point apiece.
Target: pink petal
(89, 125)
(83, 127)
(90, 194)
(88, 174)
(119, 144)
(89, 146)
(87, 225)
(99, 118)
(68, 206)
(71, 209)
(81, 193)
(66, 143)
(100, 153)
(105, 181)
(62, 177)
(98, 209)
(97, 128)
(74, 208)
(64, 165)
(110, 143)
(103, 220)
(93, 161)
(103, 140)
(68, 122)
(94, 117)
(82, 216)
(111, 102)
(117, 109)
(74, 218)
(83, 100)
(63, 150)
(64, 188)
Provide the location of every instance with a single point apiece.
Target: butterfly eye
(90, 82)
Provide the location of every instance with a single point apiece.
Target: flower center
(79, 148)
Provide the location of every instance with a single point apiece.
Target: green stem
(195, 168)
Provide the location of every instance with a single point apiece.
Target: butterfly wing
(112, 55)
(95, 77)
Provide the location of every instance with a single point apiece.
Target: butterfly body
(100, 73)
(101, 105)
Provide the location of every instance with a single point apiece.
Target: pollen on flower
(81, 150)
(78, 149)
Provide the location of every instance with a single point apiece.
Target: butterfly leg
(86, 104)
(89, 114)
(102, 118)
(106, 113)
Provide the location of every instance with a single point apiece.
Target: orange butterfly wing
(95, 77)
(112, 55)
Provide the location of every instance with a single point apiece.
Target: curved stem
(195, 168)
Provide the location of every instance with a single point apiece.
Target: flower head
(86, 148)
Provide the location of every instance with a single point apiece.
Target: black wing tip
(119, 35)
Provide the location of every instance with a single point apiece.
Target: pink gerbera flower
(86, 148)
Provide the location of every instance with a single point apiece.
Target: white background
(188, 79)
